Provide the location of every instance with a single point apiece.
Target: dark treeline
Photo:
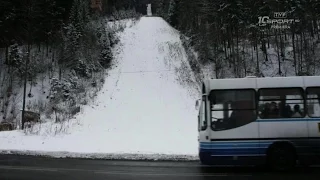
(44, 17)
(226, 33)
(221, 29)
(65, 44)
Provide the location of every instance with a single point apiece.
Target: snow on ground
(145, 109)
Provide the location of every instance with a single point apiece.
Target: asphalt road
(14, 167)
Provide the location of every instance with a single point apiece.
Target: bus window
(281, 103)
(232, 108)
(313, 101)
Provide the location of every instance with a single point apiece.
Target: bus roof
(256, 83)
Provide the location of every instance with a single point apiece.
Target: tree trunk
(238, 55)
(28, 14)
(278, 54)
(301, 52)
(244, 61)
(268, 33)
(7, 55)
(47, 47)
(25, 86)
(294, 51)
(257, 54)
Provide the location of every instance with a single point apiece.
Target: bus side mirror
(198, 104)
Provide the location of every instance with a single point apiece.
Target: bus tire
(204, 162)
(204, 158)
(281, 157)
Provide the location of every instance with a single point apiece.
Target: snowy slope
(145, 107)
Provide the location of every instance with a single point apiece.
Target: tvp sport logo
(279, 21)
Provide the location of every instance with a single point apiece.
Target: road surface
(14, 167)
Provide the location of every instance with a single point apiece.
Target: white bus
(255, 121)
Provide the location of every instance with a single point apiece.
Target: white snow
(145, 107)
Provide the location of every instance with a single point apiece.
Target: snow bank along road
(15, 167)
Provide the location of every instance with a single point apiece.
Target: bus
(273, 121)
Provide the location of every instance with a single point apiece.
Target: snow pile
(124, 156)
(146, 105)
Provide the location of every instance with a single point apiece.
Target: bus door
(203, 135)
(203, 130)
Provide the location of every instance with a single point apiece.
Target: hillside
(146, 105)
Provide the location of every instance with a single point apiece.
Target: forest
(53, 57)
(67, 46)
(226, 35)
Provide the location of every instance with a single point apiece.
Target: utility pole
(25, 87)
(26, 65)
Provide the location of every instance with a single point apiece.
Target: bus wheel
(204, 161)
(204, 158)
(282, 157)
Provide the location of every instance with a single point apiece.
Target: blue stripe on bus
(238, 146)
(245, 147)
(235, 151)
(243, 142)
(261, 151)
(233, 146)
(254, 147)
(253, 143)
(289, 120)
(295, 139)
